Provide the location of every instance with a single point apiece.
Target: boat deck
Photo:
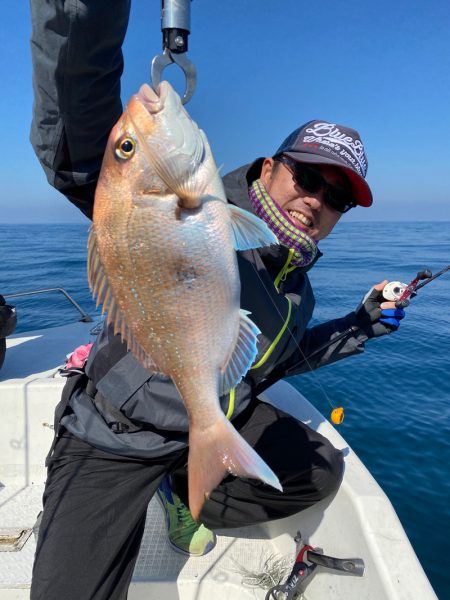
(359, 521)
(158, 565)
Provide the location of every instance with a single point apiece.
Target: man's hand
(377, 317)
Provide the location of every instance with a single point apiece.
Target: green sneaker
(185, 534)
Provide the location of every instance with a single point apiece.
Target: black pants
(95, 502)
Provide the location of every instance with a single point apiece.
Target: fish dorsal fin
(249, 231)
(101, 290)
(243, 355)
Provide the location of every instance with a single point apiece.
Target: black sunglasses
(336, 197)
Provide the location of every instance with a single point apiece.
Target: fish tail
(216, 452)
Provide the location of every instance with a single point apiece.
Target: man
(121, 432)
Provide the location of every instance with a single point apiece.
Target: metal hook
(161, 61)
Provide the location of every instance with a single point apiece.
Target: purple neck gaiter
(305, 248)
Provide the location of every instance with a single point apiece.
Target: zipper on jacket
(272, 346)
(263, 359)
(287, 268)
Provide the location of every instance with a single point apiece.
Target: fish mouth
(153, 101)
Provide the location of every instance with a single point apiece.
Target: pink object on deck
(79, 356)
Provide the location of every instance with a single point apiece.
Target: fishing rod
(402, 292)
(396, 291)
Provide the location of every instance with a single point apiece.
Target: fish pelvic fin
(101, 290)
(249, 231)
(216, 452)
(243, 354)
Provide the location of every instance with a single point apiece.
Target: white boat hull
(359, 521)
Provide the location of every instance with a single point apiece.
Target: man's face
(307, 210)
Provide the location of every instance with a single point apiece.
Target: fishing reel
(400, 293)
(394, 291)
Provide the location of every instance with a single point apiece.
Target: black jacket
(125, 409)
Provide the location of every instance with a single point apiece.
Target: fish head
(126, 175)
(155, 153)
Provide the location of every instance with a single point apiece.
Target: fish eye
(125, 148)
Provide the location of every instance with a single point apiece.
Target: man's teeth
(300, 217)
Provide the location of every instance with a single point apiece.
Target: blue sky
(264, 68)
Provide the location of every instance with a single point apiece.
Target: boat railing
(84, 316)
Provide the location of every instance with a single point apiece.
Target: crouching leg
(308, 466)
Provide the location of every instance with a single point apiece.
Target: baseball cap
(324, 143)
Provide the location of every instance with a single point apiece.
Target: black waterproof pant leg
(95, 502)
(93, 521)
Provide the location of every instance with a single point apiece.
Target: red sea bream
(162, 261)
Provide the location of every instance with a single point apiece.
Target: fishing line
(337, 413)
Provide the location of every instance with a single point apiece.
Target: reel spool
(393, 290)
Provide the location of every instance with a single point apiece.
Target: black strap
(114, 418)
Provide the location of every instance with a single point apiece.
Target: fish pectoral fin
(243, 354)
(216, 452)
(101, 290)
(249, 231)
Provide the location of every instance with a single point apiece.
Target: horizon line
(345, 222)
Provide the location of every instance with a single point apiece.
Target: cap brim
(361, 189)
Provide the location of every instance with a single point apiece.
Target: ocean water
(396, 395)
